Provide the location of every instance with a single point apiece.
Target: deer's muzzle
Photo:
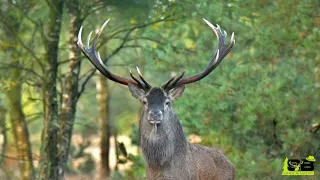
(155, 116)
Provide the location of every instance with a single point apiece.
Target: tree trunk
(49, 157)
(13, 96)
(103, 98)
(19, 125)
(3, 131)
(70, 92)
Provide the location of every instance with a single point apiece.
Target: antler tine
(142, 78)
(168, 82)
(174, 82)
(80, 44)
(88, 40)
(222, 50)
(137, 80)
(95, 40)
(95, 59)
(88, 52)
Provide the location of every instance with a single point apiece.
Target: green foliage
(259, 106)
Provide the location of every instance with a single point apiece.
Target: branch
(121, 46)
(131, 29)
(91, 8)
(85, 82)
(22, 158)
(80, 58)
(82, 107)
(149, 39)
(38, 25)
(6, 171)
(141, 26)
(142, 38)
(22, 43)
(21, 68)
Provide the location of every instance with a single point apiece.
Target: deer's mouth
(154, 122)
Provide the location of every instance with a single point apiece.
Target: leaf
(133, 21)
(189, 43)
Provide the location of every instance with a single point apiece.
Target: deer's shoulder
(211, 160)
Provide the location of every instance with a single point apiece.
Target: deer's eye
(167, 102)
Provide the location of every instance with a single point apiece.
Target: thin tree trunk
(19, 124)
(49, 157)
(13, 96)
(70, 92)
(103, 98)
(3, 131)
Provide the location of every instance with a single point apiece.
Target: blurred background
(61, 119)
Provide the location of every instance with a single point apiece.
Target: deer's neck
(160, 144)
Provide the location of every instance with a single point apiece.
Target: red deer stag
(167, 152)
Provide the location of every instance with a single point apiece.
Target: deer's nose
(155, 116)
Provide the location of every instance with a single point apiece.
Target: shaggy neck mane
(159, 145)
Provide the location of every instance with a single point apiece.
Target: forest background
(62, 119)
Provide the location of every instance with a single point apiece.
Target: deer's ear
(136, 91)
(176, 92)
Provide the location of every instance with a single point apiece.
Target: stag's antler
(222, 50)
(94, 56)
(95, 59)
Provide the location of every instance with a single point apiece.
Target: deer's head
(157, 101)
